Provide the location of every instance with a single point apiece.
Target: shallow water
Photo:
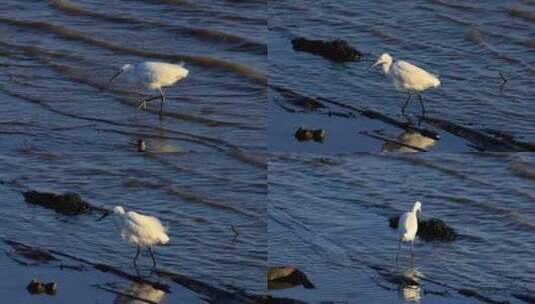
(328, 216)
(466, 44)
(61, 130)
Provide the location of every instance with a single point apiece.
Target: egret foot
(142, 104)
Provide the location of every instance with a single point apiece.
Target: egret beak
(114, 76)
(103, 216)
(375, 64)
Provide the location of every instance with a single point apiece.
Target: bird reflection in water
(411, 291)
(412, 142)
(140, 293)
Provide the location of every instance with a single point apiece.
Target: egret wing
(413, 76)
(403, 221)
(145, 221)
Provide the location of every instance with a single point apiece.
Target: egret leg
(412, 249)
(422, 105)
(399, 247)
(162, 96)
(406, 103)
(143, 103)
(153, 259)
(135, 258)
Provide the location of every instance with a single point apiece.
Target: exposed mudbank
(337, 50)
(429, 230)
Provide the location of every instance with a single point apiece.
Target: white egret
(407, 76)
(408, 226)
(153, 76)
(141, 230)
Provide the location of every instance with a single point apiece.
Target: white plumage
(153, 76)
(140, 230)
(407, 76)
(408, 226)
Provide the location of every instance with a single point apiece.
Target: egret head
(119, 210)
(417, 207)
(124, 68)
(385, 60)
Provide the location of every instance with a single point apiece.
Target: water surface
(466, 44)
(328, 216)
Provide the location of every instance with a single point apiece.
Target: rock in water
(338, 50)
(286, 277)
(68, 203)
(50, 288)
(36, 287)
(303, 134)
(429, 230)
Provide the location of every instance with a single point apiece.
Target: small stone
(50, 288)
(141, 145)
(36, 287)
(303, 134)
(319, 135)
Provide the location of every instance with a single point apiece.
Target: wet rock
(50, 288)
(318, 135)
(338, 50)
(141, 145)
(68, 203)
(303, 134)
(38, 287)
(429, 230)
(286, 277)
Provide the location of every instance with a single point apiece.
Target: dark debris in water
(338, 50)
(429, 230)
(68, 203)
